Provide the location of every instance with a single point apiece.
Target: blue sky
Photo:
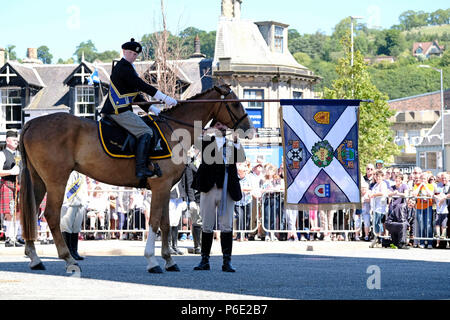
(62, 25)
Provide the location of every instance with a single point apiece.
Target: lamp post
(442, 112)
(351, 27)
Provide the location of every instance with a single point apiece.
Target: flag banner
(320, 152)
(93, 78)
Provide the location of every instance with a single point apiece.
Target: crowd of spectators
(113, 212)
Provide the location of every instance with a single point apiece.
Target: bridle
(234, 119)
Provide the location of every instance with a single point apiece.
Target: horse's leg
(55, 196)
(165, 230)
(39, 193)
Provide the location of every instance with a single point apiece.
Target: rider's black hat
(133, 46)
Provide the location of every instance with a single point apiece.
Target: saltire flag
(93, 78)
(320, 145)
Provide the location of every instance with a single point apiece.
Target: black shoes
(204, 263)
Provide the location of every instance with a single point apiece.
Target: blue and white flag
(320, 145)
(93, 78)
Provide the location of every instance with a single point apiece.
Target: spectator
(96, 211)
(365, 211)
(379, 202)
(291, 220)
(397, 225)
(398, 193)
(441, 195)
(73, 210)
(272, 201)
(424, 193)
(369, 176)
(414, 177)
(194, 206)
(177, 205)
(411, 217)
(243, 207)
(139, 207)
(122, 210)
(326, 223)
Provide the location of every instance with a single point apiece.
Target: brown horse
(53, 146)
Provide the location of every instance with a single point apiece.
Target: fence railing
(262, 215)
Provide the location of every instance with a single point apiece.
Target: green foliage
(90, 53)
(376, 139)
(10, 51)
(43, 54)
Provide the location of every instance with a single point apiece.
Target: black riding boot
(207, 239)
(196, 235)
(142, 150)
(226, 241)
(174, 236)
(74, 241)
(68, 240)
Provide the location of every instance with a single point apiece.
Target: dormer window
(85, 102)
(11, 108)
(279, 38)
(419, 50)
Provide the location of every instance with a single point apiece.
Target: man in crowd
(9, 173)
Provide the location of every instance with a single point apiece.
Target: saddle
(117, 142)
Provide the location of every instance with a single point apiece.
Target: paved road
(265, 270)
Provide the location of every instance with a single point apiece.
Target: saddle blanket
(117, 142)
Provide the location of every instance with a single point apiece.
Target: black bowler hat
(133, 46)
(11, 134)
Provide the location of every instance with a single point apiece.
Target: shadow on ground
(285, 276)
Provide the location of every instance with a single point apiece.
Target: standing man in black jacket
(219, 158)
(125, 89)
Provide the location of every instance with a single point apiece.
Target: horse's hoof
(73, 268)
(156, 269)
(39, 266)
(173, 268)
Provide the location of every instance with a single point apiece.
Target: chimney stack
(231, 8)
(197, 51)
(32, 56)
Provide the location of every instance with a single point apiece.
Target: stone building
(253, 57)
(415, 125)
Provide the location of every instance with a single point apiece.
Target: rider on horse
(125, 89)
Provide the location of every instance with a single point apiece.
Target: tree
(108, 56)
(376, 139)
(43, 54)
(11, 53)
(88, 50)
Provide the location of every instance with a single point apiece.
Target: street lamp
(351, 27)
(442, 112)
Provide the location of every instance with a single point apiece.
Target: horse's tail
(28, 214)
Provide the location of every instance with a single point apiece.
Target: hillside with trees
(321, 52)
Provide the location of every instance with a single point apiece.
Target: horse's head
(233, 114)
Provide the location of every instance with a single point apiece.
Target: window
(11, 108)
(429, 160)
(297, 95)
(400, 138)
(254, 94)
(85, 102)
(279, 39)
(255, 110)
(414, 137)
(419, 51)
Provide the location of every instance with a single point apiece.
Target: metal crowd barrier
(262, 215)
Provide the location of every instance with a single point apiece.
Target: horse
(54, 145)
